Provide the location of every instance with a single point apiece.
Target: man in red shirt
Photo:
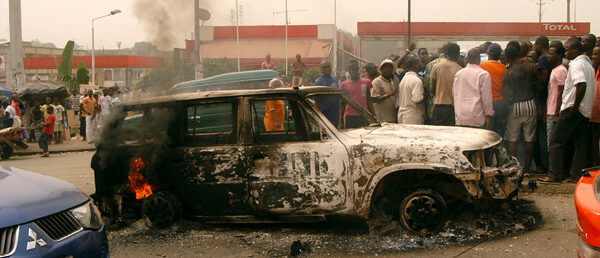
(48, 130)
(358, 89)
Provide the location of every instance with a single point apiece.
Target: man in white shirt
(573, 120)
(411, 108)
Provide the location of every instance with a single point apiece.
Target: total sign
(563, 27)
(577, 29)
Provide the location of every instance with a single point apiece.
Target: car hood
(26, 196)
(463, 137)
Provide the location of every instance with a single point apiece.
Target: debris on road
(469, 225)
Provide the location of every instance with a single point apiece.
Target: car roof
(227, 80)
(306, 90)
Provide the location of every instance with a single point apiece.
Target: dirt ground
(552, 234)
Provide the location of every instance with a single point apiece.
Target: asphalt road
(557, 236)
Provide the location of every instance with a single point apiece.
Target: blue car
(41, 216)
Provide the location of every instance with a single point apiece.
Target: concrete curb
(52, 151)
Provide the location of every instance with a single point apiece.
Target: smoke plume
(167, 22)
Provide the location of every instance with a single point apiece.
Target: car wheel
(5, 151)
(161, 210)
(423, 212)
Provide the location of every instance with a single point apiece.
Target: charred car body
(219, 154)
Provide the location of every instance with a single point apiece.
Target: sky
(58, 21)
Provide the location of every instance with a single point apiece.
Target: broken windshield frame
(365, 114)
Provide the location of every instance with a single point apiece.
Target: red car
(587, 204)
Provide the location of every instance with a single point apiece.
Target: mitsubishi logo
(35, 241)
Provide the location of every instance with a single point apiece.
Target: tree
(211, 67)
(165, 77)
(65, 69)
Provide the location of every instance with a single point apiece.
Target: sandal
(547, 180)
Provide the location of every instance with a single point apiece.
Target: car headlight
(88, 216)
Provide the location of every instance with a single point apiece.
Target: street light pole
(113, 12)
(237, 32)
(286, 38)
(335, 57)
(408, 43)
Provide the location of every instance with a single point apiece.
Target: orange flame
(137, 182)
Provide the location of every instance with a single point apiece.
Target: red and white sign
(474, 29)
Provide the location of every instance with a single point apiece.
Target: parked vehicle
(257, 79)
(41, 216)
(215, 155)
(587, 204)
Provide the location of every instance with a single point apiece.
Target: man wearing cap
(496, 71)
(472, 91)
(382, 92)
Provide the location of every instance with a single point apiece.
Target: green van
(258, 79)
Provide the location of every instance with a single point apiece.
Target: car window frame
(211, 138)
(301, 128)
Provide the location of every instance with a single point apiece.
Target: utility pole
(286, 39)
(335, 46)
(16, 73)
(286, 31)
(568, 10)
(197, 31)
(540, 4)
(408, 43)
(237, 32)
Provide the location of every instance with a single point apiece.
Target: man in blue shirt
(329, 105)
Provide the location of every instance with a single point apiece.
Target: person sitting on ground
(48, 131)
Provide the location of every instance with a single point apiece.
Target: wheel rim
(159, 211)
(423, 213)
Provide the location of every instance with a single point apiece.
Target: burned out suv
(270, 154)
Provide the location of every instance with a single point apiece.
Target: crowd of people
(539, 97)
(47, 121)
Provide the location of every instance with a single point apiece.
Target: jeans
(443, 115)
(500, 113)
(571, 131)
(550, 124)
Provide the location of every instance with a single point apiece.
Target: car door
(298, 168)
(214, 179)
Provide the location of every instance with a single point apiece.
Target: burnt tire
(6, 151)
(161, 210)
(423, 212)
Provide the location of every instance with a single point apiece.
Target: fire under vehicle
(215, 155)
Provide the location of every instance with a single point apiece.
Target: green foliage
(211, 67)
(310, 76)
(165, 77)
(82, 76)
(66, 66)
(281, 70)
(65, 69)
